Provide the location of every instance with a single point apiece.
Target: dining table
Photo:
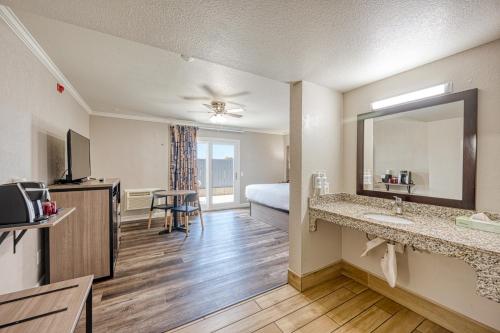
(176, 194)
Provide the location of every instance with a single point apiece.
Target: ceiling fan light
(217, 119)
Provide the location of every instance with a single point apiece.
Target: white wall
(446, 281)
(137, 152)
(316, 144)
(34, 119)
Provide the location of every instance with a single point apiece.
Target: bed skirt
(273, 216)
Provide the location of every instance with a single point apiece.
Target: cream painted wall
(444, 280)
(315, 141)
(34, 119)
(137, 152)
(134, 151)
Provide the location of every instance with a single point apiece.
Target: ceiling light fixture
(413, 96)
(218, 118)
(187, 58)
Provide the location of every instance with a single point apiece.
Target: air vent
(139, 198)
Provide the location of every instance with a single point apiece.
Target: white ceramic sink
(387, 218)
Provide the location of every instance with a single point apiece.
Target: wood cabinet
(87, 244)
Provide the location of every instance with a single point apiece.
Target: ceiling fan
(219, 112)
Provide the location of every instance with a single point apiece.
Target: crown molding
(186, 122)
(27, 38)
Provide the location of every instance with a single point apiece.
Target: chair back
(190, 198)
(158, 197)
(156, 193)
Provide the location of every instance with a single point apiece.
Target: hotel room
(249, 166)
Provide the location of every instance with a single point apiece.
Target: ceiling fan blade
(204, 112)
(234, 103)
(194, 98)
(242, 93)
(208, 106)
(233, 115)
(235, 110)
(210, 91)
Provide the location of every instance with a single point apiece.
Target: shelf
(388, 185)
(50, 222)
(23, 227)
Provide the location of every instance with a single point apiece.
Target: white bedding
(272, 195)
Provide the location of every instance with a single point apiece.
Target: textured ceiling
(115, 75)
(342, 44)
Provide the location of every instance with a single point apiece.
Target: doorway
(219, 173)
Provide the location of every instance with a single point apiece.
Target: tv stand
(70, 181)
(88, 243)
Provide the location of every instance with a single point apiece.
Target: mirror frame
(469, 97)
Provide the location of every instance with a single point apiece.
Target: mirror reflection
(417, 152)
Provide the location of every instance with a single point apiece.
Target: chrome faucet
(399, 205)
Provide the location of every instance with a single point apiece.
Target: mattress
(271, 195)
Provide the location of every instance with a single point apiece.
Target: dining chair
(191, 204)
(157, 196)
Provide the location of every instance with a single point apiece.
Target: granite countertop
(433, 230)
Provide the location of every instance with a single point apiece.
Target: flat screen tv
(78, 157)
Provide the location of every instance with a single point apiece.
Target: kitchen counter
(433, 230)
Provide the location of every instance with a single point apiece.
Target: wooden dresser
(87, 244)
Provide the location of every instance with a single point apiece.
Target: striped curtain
(183, 156)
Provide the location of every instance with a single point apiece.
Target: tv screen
(78, 156)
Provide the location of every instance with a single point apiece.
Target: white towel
(370, 245)
(480, 217)
(389, 265)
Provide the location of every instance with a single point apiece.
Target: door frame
(236, 172)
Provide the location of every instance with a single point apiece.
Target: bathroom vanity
(421, 226)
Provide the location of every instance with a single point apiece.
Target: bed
(269, 203)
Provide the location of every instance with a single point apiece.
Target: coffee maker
(22, 202)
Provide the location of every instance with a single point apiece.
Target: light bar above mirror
(440, 89)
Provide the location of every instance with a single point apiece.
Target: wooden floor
(341, 306)
(164, 281)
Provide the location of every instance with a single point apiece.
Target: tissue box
(467, 222)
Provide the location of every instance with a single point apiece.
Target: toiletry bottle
(326, 188)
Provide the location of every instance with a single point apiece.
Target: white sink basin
(387, 218)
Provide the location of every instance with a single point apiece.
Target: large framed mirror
(423, 151)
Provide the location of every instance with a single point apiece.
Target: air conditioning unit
(139, 198)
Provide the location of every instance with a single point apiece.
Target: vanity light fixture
(440, 89)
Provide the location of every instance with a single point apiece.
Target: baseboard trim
(314, 278)
(131, 218)
(439, 314)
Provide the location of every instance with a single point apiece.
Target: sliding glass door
(218, 172)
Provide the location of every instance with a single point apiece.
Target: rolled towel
(389, 265)
(480, 217)
(370, 245)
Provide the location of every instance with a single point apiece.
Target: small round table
(176, 194)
